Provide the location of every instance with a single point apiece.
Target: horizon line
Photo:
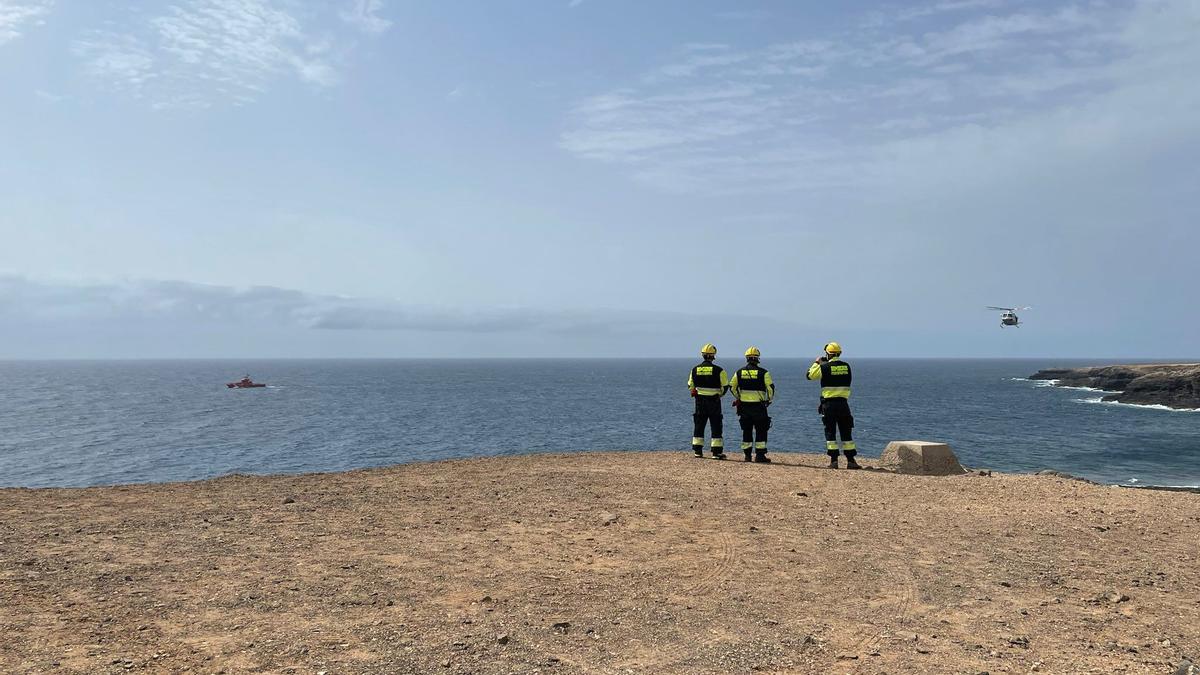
(102, 359)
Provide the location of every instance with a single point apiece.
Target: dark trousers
(708, 412)
(755, 422)
(835, 413)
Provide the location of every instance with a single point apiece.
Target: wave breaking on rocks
(1172, 385)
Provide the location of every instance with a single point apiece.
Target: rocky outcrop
(1176, 385)
(920, 458)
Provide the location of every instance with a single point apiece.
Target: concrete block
(920, 458)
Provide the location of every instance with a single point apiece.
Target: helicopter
(1009, 316)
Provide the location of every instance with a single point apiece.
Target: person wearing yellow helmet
(708, 382)
(753, 391)
(835, 377)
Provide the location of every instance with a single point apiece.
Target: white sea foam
(1055, 384)
(1148, 406)
(1036, 383)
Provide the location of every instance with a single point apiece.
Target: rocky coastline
(1175, 385)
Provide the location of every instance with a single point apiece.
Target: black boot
(833, 460)
(718, 455)
(749, 457)
(699, 452)
(850, 463)
(761, 457)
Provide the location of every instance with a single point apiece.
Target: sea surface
(112, 422)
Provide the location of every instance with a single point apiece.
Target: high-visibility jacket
(752, 384)
(708, 379)
(835, 378)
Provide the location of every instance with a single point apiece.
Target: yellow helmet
(833, 348)
(709, 349)
(753, 351)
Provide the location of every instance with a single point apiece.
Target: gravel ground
(600, 563)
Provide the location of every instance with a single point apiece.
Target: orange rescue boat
(244, 383)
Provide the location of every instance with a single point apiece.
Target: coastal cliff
(1175, 385)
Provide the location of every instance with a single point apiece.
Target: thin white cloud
(365, 15)
(948, 6)
(15, 15)
(574, 3)
(930, 11)
(743, 14)
(206, 52)
(839, 112)
(698, 58)
(49, 96)
(121, 61)
(991, 33)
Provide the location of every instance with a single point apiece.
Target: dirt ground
(600, 563)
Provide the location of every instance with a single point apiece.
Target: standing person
(753, 391)
(708, 382)
(835, 377)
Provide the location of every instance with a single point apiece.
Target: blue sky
(597, 177)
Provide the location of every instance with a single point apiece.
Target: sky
(571, 178)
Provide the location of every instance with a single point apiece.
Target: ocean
(112, 422)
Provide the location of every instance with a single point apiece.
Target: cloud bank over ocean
(159, 307)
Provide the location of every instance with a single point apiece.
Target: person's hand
(694, 393)
(736, 402)
(822, 359)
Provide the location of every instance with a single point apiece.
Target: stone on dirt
(1062, 474)
(921, 458)
(1019, 641)
(1110, 596)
